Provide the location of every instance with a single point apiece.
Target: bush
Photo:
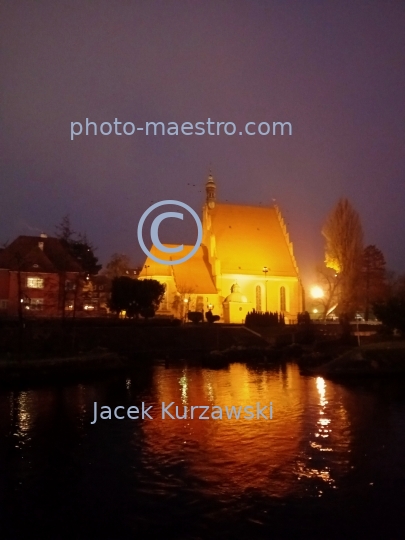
(195, 316)
(256, 318)
(392, 313)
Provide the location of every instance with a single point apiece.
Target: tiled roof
(192, 276)
(24, 254)
(249, 238)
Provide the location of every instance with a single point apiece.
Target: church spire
(210, 190)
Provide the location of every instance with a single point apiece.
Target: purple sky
(335, 70)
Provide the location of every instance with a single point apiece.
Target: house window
(282, 299)
(3, 304)
(35, 283)
(37, 304)
(258, 298)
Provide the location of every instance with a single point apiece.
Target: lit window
(282, 299)
(35, 283)
(37, 303)
(258, 298)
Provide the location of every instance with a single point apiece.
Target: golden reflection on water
(309, 437)
(323, 422)
(242, 454)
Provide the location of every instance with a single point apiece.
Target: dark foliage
(136, 297)
(256, 318)
(211, 318)
(373, 286)
(78, 246)
(195, 316)
(392, 313)
(304, 318)
(83, 253)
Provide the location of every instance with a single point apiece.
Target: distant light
(186, 300)
(317, 292)
(315, 311)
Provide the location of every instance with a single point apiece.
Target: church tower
(210, 190)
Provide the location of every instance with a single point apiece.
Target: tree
(78, 246)
(64, 230)
(136, 296)
(329, 282)
(150, 293)
(81, 250)
(391, 311)
(374, 286)
(118, 266)
(343, 253)
(182, 299)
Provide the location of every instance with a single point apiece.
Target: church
(245, 262)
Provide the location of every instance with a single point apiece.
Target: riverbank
(377, 360)
(98, 362)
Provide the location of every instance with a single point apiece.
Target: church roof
(247, 238)
(193, 275)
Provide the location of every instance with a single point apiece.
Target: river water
(330, 463)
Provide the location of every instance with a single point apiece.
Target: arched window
(282, 299)
(258, 298)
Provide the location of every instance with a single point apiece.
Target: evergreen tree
(374, 285)
(78, 246)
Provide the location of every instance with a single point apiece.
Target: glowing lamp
(317, 292)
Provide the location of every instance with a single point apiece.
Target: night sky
(335, 70)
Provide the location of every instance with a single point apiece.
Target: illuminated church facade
(245, 262)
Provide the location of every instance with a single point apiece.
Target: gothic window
(258, 298)
(282, 299)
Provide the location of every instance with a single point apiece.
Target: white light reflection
(184, 387)
(323, 423)
(324, 430)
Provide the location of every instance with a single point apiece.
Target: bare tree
(343, 253)
(329, 282)
(118, 266)
(183, 297)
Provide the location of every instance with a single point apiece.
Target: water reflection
(320, 431)
(236, 455)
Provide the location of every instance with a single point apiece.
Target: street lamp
(317, 292)
(265, 270)
(185, 308)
